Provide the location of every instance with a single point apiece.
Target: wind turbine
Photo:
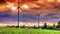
(18, 14)
(25, 6)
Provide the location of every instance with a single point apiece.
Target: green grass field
(7, 30)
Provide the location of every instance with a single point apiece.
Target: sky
(49, 11)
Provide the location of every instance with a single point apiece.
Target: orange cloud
(36, 6)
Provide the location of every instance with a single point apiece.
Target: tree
(45, 26)
(58, 26)
(54, 26)
(34, 26)
(23, 26)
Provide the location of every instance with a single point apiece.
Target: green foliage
(34, 26)
(54, 26)
(23, 26)
(50, 27)
(58, 26)
(8, 30)
(45, 26)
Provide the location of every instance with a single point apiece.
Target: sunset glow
(11, 6)
(50, 11)
(25, 6)
(58, 0)
(50, 0)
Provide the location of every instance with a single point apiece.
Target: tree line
(45, 26)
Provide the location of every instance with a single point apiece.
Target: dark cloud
(2, 1)
(11, 0)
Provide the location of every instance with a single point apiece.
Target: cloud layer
(49, 11)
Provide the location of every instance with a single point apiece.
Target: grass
(8, 30)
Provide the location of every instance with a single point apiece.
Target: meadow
(8, 30)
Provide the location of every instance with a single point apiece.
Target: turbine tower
(18, 13)
(38, 20)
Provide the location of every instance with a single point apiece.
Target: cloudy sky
(49, 11)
